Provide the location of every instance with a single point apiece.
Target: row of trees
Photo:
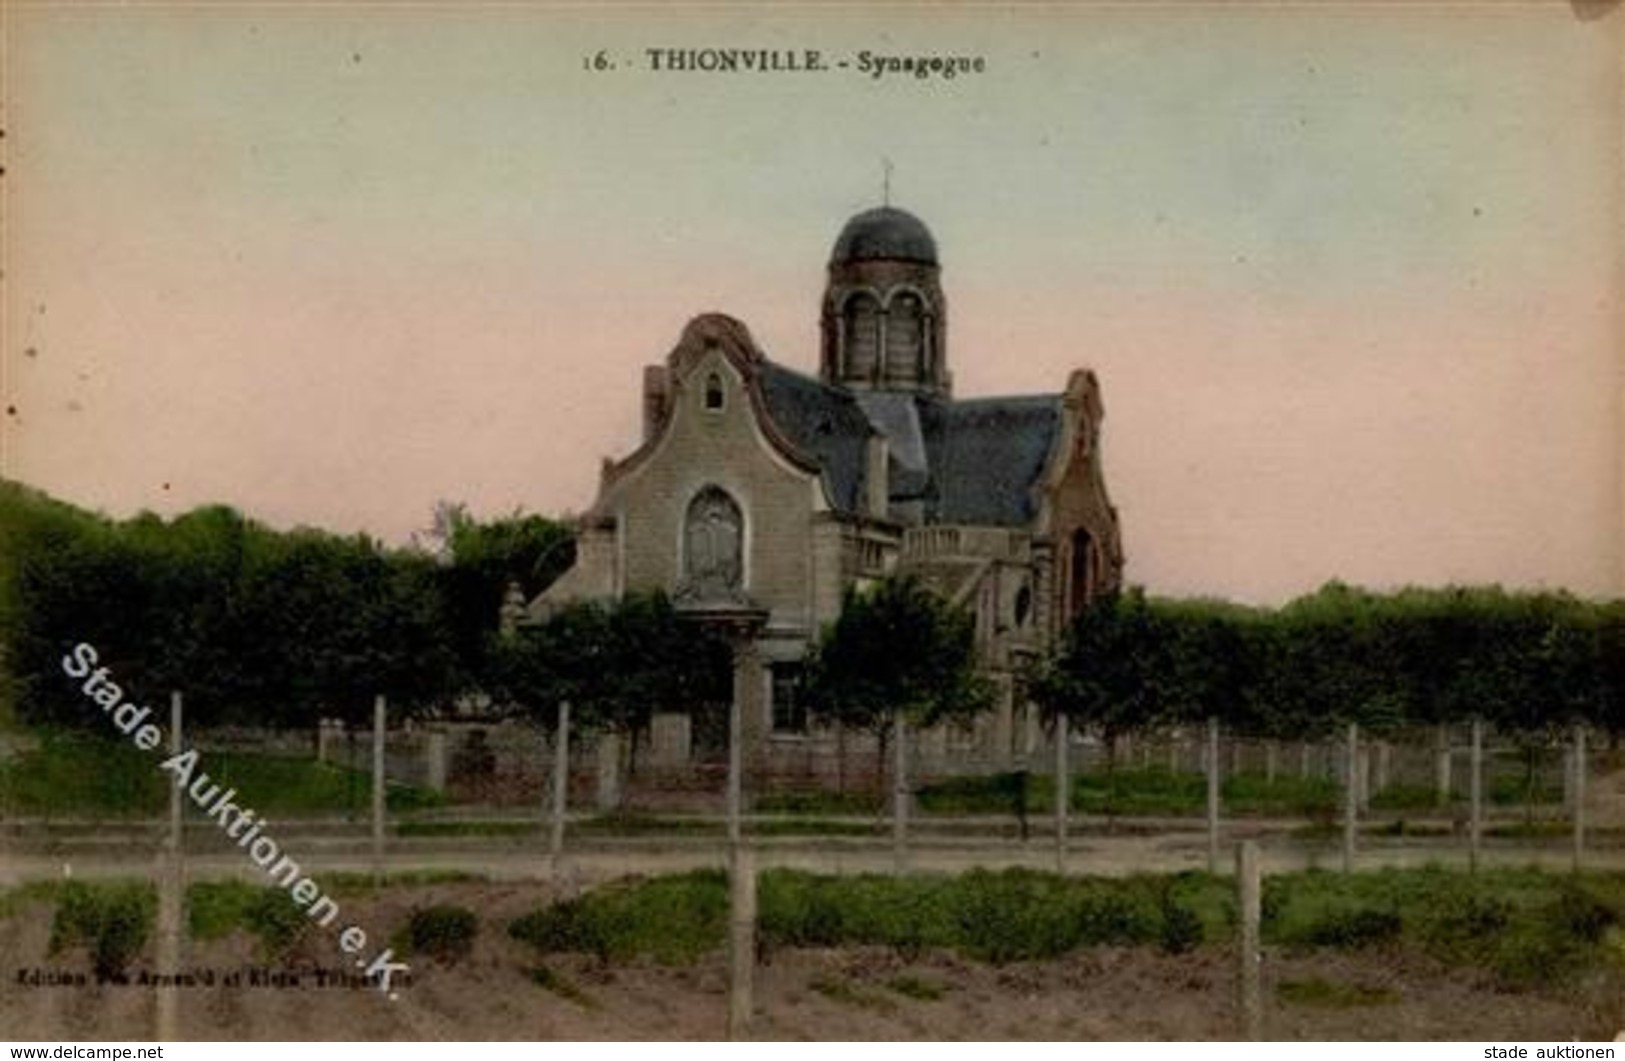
(257, 626)
(274, 628)
(1527, 663)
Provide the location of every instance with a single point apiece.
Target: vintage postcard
(812, 521)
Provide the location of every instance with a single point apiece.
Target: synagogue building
(758, 482)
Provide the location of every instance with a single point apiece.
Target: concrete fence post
(434, 757)
(171, 898)
(741, 940)
(608, 755)
(900, 794)
(1363, 775)
(1442, 782)
(1249, 887)
(1579, 784)
(561, 788)
(1213, 794)
(1063, 790)
(326, 730)
(736, 768)
(1475, 794)
(379, 724)
(1351, 795)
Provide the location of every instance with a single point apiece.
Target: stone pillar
(609, 772)
(1003, 728)
(931, 748)
(670, 740)
(1362, 776)
(328, 733)
(434, 757)
(1441, 766)
(750, 693)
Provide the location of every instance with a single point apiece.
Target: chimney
(656, 399)
(876, 481)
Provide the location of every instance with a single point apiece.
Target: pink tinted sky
(1349, 275)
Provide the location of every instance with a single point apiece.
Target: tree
(480, 560)
(614, 664)
(1109, 673)
(897, 652)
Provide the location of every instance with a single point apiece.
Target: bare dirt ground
(852, 993)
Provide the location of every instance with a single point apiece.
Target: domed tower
(884, 319)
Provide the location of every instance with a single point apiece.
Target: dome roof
(885, 234)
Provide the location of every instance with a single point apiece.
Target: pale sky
(1350, 275)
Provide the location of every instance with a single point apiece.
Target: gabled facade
(755, 481)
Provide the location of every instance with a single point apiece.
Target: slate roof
(986, 456)
(826, 424)
(971, 462)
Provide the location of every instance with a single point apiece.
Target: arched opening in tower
(862, 317)
(905, 344)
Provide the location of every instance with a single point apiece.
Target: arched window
(1082, 560)
(713, 393)
(862, 317)
(1023, 605)
(713, 544)
(905, 339)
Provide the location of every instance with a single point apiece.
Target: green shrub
(1020, 914)
(673, 920)
(444, 932)
(113, 920)
(1524, 927)
(275, 919)
(1181, 930)
(215, 908)
(1348, 929)
(269, 914)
